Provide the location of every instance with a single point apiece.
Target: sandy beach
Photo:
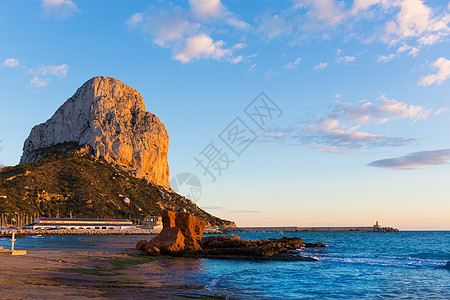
(76, 275)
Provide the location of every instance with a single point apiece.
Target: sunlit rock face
(110, 117)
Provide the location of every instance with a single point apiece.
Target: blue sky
(363, 87)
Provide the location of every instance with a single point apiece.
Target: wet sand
(77, 275)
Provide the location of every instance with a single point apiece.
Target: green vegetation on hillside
(70, 182)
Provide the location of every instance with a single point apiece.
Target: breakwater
(310, 229)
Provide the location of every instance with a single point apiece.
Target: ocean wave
(405, 262)
(439, 255)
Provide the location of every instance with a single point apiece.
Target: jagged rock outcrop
(191, 227)
(110, 117)
(181, 233)
(182, 236)
(227, 246)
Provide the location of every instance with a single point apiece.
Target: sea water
(405, 265)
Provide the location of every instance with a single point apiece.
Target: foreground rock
(110, 117)
(232, 247)
(181, 233)
(182, 236)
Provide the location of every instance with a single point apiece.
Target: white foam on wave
(386, 261)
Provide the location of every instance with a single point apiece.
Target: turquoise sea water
(406, 265)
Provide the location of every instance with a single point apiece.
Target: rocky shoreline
(182, 237)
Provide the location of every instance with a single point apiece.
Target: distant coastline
(311, 229)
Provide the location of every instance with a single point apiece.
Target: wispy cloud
(58, 9)
(293, 64)
(207, 10)
(413, 25)
(41, 74)
(338, 137)
(408, 25)
(329, 11)
(11, 62)
(39, 82)
(202, 46)
(321, 66)
(387, 58)
(443, 65)
(274, 26)
(416, 21)
(189, 32)
(339, 131)
(414, 161)
(60, 71)
(346, 58)
(380, 111)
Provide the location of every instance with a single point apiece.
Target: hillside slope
(71, 181)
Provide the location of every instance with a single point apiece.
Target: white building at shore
(50, 223)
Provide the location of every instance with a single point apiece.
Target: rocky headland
(101, 155)
(110, 117)
(182, 236)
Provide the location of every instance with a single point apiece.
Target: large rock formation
(110, 117)
(182, 236)
(190, 226)
(181, 233)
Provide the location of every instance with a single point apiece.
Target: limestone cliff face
(109, 116)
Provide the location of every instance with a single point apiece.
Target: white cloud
(39, 82)
(394, 22)
(403, 48)
(239, 46)
(382, 58)
(135, 20)
(321, 66)
(330, 11)
(11, 62)
(274, 26)
(362, 5)
(293, 64)
(443, 74)
(169, 28)
(202, 46)
(331, 133)
(58, 9)
(60, 71)
(236, 22)
(339, 130)
(416, 21)
(383, 110)
(346, 59)
(42, 73)
(415, 160)
(235, 60)
(206, 9)
(189, 32)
